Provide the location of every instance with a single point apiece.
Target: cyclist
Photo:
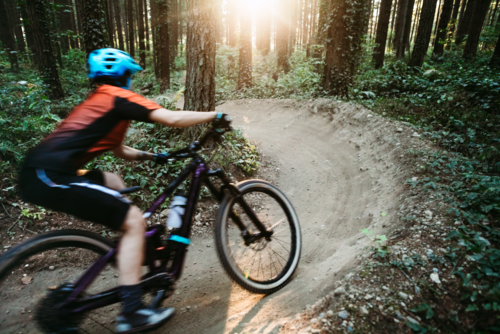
(50, 175)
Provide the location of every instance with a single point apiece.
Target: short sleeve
(134, 107)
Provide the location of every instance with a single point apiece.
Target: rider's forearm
(129, 153)
(181, 119)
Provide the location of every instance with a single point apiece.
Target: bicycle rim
(265, 265)
(42, 268)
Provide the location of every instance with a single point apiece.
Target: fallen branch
(11, 226)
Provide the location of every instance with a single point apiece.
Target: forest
(433, 65)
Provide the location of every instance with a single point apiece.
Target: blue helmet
(112, 64)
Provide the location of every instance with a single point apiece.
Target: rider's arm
(181, 119)
(129, 153)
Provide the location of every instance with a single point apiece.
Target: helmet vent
(109, 59)
(109, 66)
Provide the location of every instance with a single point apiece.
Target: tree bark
(146, 19)
(131, 35)
(343, 48)
(453, 23)
(494, 14)
(16, 25)
(391, 35)
(163, 37)
(232, 17)
(423, 33)
(73, 41)
(200, 56)
(142, 45)
(478, 18)
(283, 26)
(263, 38)
(464, 22)
(403, 26)
(173, 31)
(111, 25)
(313, 28)
(118, 21)
(381, 38)
(495, 59)
(245, 58)
(79, 10)
(95, 34)
(43, 45)
(322, 29)
(63, 25)
(437, 17)
(155, 32)
(444, 19)
(29, 33)
(7, 38)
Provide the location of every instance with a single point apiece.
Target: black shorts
(83, 196)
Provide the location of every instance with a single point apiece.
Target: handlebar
(195, 146)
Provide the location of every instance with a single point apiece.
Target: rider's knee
(113, 181)
(134, 220)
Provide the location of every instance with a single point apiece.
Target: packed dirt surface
(339, 166)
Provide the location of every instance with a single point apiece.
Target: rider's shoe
(143, 319)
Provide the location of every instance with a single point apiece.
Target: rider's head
(112, 67)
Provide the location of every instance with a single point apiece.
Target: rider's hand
(161, 158)
(222, 122)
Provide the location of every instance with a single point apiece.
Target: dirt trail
(339, 166)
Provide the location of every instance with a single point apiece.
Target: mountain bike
(66, 280)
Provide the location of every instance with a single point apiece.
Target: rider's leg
(113, 181)
(131, 250)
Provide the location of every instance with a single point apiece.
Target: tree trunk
(343, 48)
(79, 10)
(442, 27)
(125, 25)
(313, 28)
(173, 31)
(72, 40)
(495, 59)
(16, 25)
(142, 45)
(465, 21)
(322, 29)
(200, 56)
(403, 26)
(478, 18)
(29, 33)
(494, 13)
(381, 38)
(146, 19)
(7, 38)
(163, 37)
(118, 21)
(43, 45)
(416, 21)
(111, 25)
(391, 35)
(423, 33)
(245, 58)
(453, 23)
(408, 24)
(131, 30)
(264, 32)
(437, 17)
(95, 33)
(283, 26)
(232, 17)
(304, 22)
(155, 32)
(62, 19)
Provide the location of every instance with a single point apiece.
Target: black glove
(222, 123)
(161, 158)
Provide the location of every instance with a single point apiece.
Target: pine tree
(346, 26)
(478, 18)
(142, 45)
(173, 29)
(232, 17)
(403, 26)
(423, 33)
(465, 21)
(444, 19)
(7, 38)
(118, 22)
(381, 38)
(453, 23)
(163, 51)
(283, 26)
(15, 17)
(131, 29)
(245, 58)
(200, 56)
(495, 59)
(43, 45)
(95, 34)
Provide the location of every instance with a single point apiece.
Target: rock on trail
(338, 163)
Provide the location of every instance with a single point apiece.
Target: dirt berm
(338, 163)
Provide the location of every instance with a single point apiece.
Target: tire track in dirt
(337, 164)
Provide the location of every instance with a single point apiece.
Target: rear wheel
(266, 265)
(33, 281)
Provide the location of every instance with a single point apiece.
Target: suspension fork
(249, 238)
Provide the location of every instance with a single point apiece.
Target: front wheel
(267, 264)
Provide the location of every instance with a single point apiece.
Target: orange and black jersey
(97, 125)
